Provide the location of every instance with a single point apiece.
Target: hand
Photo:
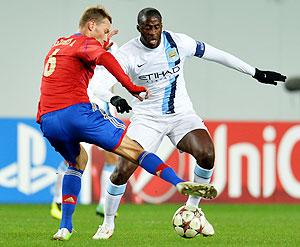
(107, 44)
(142, 94)
(112, 33)
(120, 104)
(268, 77)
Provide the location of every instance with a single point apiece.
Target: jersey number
(51, 64)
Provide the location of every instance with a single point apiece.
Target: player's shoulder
(180, 37)
(77, 40)
(82, 39)
(130, 45)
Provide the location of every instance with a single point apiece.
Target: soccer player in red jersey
(67, 117)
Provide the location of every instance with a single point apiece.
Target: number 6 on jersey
(51, 64)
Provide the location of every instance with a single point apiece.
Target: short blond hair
(97, 13)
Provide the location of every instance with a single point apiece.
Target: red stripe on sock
(70, 164)
(69, 199)
(160, 168)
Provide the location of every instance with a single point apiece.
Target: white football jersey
(161, 71)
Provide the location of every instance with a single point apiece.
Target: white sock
(201, 176)
(106, 172)
(112, 200)
(57, 197)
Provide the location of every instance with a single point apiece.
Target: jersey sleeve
(90, 50)
(213, 54)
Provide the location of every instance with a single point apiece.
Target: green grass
(150, 225)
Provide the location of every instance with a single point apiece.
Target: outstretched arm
(213, 54)
(111, 64)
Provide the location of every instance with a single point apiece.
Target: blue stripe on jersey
(200, 49)
(173, 59)
(172, 95)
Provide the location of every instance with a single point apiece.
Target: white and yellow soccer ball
(187, 221)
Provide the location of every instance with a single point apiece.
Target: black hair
(145, 13)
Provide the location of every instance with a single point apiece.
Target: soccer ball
(187, 221)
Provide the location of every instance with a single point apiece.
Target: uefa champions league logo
(247, 168)
(28, 174)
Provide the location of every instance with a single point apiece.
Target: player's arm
(211, 53)
(107, 60)
(108, 96)
(92, 51)
(105, 93)
(117, 101)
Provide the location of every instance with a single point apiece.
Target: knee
(122, 172)
(205, 157)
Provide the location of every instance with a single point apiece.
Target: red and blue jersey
(68, 67)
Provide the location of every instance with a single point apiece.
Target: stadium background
(255, 127)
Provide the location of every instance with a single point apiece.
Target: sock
(154, 165)
(113, 197)
(106, 172)
(62, 168)
(58, 189)
(201, 176)
(70, 191)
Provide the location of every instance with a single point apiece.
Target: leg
(62, 135)
(133, 152)
(148, 135)
(70, 189)
(130, 150)
(110, 162)
(199, 144)
(55, 210)
(111, 139)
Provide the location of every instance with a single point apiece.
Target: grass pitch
(150, 225)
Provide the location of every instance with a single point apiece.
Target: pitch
(150, 225)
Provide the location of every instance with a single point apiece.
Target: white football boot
(207, 228)
(206, 191)
(62, 234)
(103, 232)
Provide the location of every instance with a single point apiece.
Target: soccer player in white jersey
(155, 59)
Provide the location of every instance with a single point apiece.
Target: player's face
(150, 30)
(101, 30)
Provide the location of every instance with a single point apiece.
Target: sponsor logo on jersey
(157, 76)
